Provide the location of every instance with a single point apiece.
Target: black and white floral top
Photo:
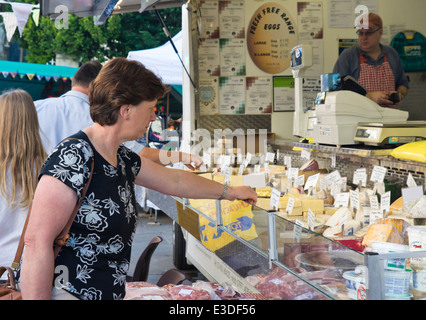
(94, 263)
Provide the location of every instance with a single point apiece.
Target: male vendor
(377, 67)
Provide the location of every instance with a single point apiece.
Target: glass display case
(282, 259)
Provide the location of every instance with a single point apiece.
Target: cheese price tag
(305, 154)
(228, 172)
(256, 168)
(333, 178)
(226, 161)
(207, 159)
(344, 218)
(297, 231)
(375, 214)
(385, 202)
(287, 162)
(290, 205)
(341, 200)
(312, 181)
(360, 176)
(411, 183)
(354, 199)
(275, 198)
(267, 167)
(293, 173)
(300, 181)
(241, 169)
(311, 219)
(378, 174)
(248, 157)
(333, 160)
(239, 158)
(374, 203)
(270, 157)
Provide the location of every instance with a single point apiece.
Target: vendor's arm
(380, 97)
(51, 209)
(186, 184)
(165, 158)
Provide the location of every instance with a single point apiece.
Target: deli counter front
(262, 253)
(312, 241)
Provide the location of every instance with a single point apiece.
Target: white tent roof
(163, 60)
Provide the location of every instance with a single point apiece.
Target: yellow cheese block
(264, 203)
(316, 205)
(206, 175)
(330, 210)
(236, 181)
(264, 192)
(219, 178)
(383, 233)
(396, 206)
(276, 169)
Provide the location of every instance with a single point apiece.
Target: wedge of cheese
(316, 205)
(383, 233)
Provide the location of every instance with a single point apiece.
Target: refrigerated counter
(261, 252)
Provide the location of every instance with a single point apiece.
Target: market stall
(321, 248)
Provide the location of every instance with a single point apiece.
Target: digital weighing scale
(377, 134)
(345, 116)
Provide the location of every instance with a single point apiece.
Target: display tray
(357, 149)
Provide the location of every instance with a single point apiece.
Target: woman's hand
(245, 193)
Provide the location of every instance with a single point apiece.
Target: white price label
(354, 199)
(287, 161)
(297, 231)
(293, 173)
(290, 205)
(275, 198)
(228, 172)
(385, 202)
(248, 157)
(374, 203)
(378, 174)
(207, 159)
(374, 215)
(267, 167)
(333, 161)
(311, 219)
(256, 168)
(360, 176)
(226, 161)
(344, 218)
(300, 181)
(411, 183)
(306, 153)
(270, 157)
(333, 178)
(239, 158)
(241, 169)
(312, 181)
(341, 200)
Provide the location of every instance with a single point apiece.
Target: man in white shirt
(65, 115)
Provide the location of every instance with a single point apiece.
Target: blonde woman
(21, 157)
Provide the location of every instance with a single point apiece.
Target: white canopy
(163, 60)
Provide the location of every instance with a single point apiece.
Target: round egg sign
(271, 35)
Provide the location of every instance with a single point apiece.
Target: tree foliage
(86, 41)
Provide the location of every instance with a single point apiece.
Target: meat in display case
(284, 260)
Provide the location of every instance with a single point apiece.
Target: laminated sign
(236, 216)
